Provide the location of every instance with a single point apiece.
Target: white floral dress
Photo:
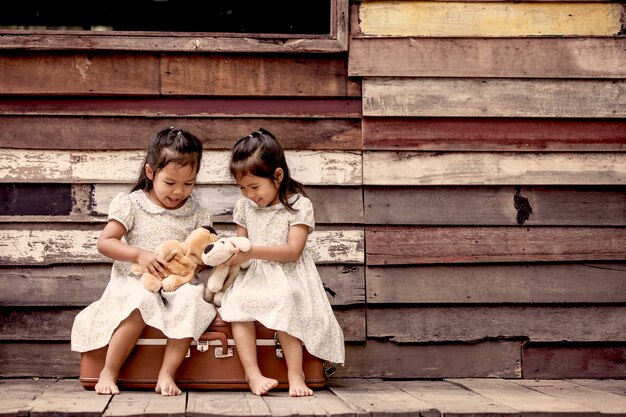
(283, 296)
(178, 314)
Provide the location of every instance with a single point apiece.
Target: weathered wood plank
(309, 167)
(38, 245)
(536, 323)
(90, 73)
(488, 168)
(79, 285)
(45, 360)
(452, 400)
(427, 245)
(487, 58)
(493, 134)
(496, 206)
(322, 404)
(217, 404)
(331, 204)
(468, 284)
(67, 397)
(17, 394)
(255, 75)
(26, 324)
(468, 97)
(602, 402)
(377, 398)
(527, 401)
(615, 386)
(574, 360)
(421, 18)
(328, 107)
(137, 403)
(377, 359)
(123, 133)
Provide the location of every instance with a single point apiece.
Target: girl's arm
(296, 240)
(111, 245)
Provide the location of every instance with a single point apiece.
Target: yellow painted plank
(419, 18)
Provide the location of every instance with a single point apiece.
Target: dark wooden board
(492, 284)
(537, 323)
(574, 360)
(380, 359)
(493, 134)
(113, 132)
(35, 199)
(427, 245)
(496, 206)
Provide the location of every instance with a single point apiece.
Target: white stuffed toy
(222, 276)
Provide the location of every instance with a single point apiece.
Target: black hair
(260, 154)
(166, 146)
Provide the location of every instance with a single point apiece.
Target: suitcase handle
(220, 351)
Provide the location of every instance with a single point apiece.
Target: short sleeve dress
(178, 314)
(283, 296)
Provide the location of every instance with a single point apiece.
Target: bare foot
(260, 385)
(166, 386)
(107, 383)
(297, 386)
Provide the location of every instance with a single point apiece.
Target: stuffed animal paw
(222, 277)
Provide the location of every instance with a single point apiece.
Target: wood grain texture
(493, 134)
(76, 244)
(226, 404)
(524, 400)
(25, 324)
(17, 394)
(78, 285)
(380, 359)
(438, 245)
(490, 168)
(473, 19)
(23, 166)
(419, 324)
(256, 75)
(492, 284)
(488, 57)
(35, 199)
(467, 97)
(125, 133)
(68, 397)
(148, 107)
(81, 73)
(136, 403)
(496, 206)
(574, 360)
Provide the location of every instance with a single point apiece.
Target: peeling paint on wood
(309, 167)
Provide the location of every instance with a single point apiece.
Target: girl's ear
(149, 172)
(279, 174)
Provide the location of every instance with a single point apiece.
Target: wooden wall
(466, 161)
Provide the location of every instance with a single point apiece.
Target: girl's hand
(238, 258)
(152, 263)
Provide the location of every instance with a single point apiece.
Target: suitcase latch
(219, 353)
(202, 345)
(279, 349)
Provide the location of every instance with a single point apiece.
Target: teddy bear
(222, 277)
(183, 259)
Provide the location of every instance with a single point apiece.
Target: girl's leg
(292, 348)
(120, 346)
(245, 340)
(175, 352)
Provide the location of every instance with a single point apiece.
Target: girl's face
(263, 191)
(171, 185)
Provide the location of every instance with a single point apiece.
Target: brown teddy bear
(183, 259)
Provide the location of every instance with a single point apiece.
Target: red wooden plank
(574, 360)
(192, 106)
(118, 133)
(493, 134)
(393, 245)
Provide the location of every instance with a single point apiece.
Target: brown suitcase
(211, 363)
